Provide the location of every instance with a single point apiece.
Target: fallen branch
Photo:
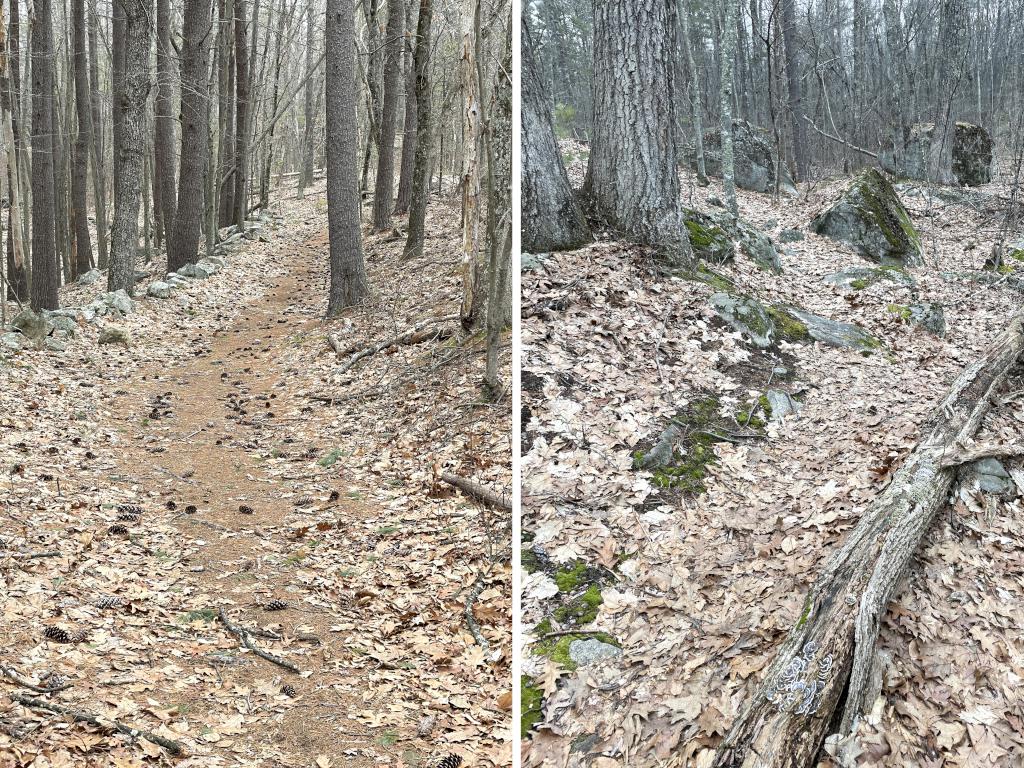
(31, 555)
(243, 635)
(11, 674)
(977, 452)
(85, 717)
(841, 140)
(827, 657)
(474, 628)
(479, 492)
(414, 335)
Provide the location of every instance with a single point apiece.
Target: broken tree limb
(474, 628)
(479, 492)
(978, 452)
(94, 720)
(841, 140)
(243, 635)
(826, 658)
(413, 336)
(12, 674)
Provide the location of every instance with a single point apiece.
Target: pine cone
(289, 691)
(57, 634)
(245, 509)
(129, 509)
(52, 680)
(335, 496)
(172, 505)
(451, 761)
(129, 517)
(275, 605)
(191, 509)
(118, 530)
(109, 601)
(304, 501)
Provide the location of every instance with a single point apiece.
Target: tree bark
(694, 91)
(164, 170)
(551, 218)
(951, 29)
(798, 128)
(409, 129)
(45, 269)
(242, 94)
(96, 143)
(117, 81)
(383, 191)
(17, 267)
(80, 179)
(309, 110)
(725, 104)
(471, 132)
(348, 274)
(124, 234)
(632, 178)
(826, 659)
(225, 113)
(183, 240)
(421, 167)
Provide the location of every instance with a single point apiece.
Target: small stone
(90, 278)
(112, 334)
(747, 316)
(782, 404)
(791, 236)
(12, 340)
(159, 290)
(33, 326)
(588, 651)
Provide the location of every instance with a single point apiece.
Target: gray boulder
(63, 321)
(834, 332)
(584, 652)
(714, 236)
(791, 236)
(529, 262)
(991, 476)
(12, 340)
(859, 278)
(782, 404)
(754, 159)
(870, 217)
(90, 278)
(54, 345)
(972, 154)
(929, 316)
(112, 334)
(159, 290)
(34, 327)
(747, 316)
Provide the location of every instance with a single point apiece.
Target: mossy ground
(708, 276)
(787, 326)
(557, 648)
(531, 704)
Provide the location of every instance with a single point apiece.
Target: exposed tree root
(825, 662)
(85, 717)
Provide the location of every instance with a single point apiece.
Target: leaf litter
(706, 585)
(317, 528)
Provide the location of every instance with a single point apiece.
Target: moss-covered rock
(746, 315)
(871, 218)
(828, 331)
(714, 238)
(559, 648)
(704, 274)
(972, 154)
(859, 278)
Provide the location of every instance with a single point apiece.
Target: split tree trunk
(632, 176)
(421, 167)
(384, 187)
(827, 657)
(183, 239)
(124, 234)
(96, 143)
(551, 218)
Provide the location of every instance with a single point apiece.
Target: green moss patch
(899, 310)
(787, 326)
(531, 704)
(708, 276)
(557, 648)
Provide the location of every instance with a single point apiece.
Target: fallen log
(479, 492)
(414, 335)
(826, 660)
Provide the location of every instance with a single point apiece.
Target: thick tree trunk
(471, 132)
(499, 213)
(409, 129)
(725, 103)
(632, 178)
(117, 81)
(551, 217)
(96, 142)
(183, 239)
(163, 139)
(45, 269)
(242, 85)
(421, 167)
(124, 234)
(80, 179)
(225, 113)
(383, 190)
(17, 267)
(826, 659)
(348, 274)
(798, 127)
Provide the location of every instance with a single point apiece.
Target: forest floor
(261, 473)
(697, 589)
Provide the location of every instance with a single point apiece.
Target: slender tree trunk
(374, 72)
(421, 167)
(309, 110)
(225, 114)
(96, 141)
(383, 194)
(725, 101)
(80, 179)
(632, 178)
(183, 239)
(45, 268)
(499, 213)
(951, 33)
(551, 218)
(164, 189)
(17, 287)
(798, 127)
(242, 85)
(348, 274)
(124, 234)
(117, 81)
(471, 132)
(694, 88)
(409, 129)
(284, 19)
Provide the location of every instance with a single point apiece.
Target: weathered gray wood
(829, 652)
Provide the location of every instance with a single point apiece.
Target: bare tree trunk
(17, 286)
(45, 269)
(163, 139)
(225, 114)
(694, 88)
(124, 234)
(80, 179)
(499, 214)
(183, 240)
(310, 90)
(826, 659)
(632, 177)
(471, 132)
(551, 218)
(951, 26)
(409, 129)
(383, 194)
(117, 81)
(348, 274)
(242, 105)
(96, 141)
(798, 127)
(373, 82)
(725, 102)
(421, 167)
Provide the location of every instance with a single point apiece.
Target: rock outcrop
(754, 159)
(712, 242)
(870, 217)
(972, 154)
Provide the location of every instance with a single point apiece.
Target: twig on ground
(85, 717)
(10, 673)
(474, 628)
(243, 635)
(479, 492)
(987, 451)
(32, 555)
